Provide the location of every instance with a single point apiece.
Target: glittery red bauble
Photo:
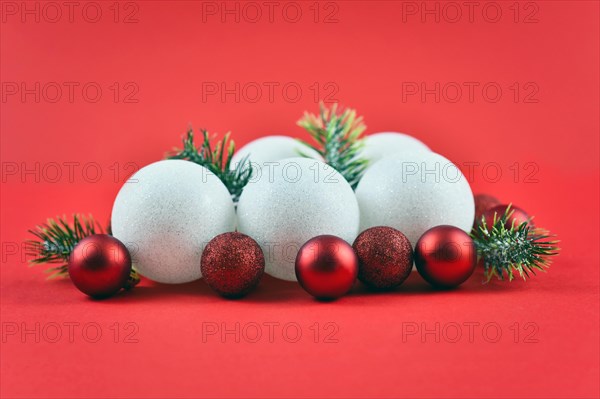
(99, 265)
(518, 215)
(483, 202)
(384, 257)
(232, 264)
(445, 256)
(326, 267)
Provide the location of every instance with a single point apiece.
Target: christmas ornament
(234, 175)
(380, 145)
(166, 213)
(445, 256)
(232, 264)
(413, 192)
(56, 239)
(507, 248)
(483, 202)
(300, 199)
(384, 257)
(326, 267)
(99, 265)
(338, 140)
(514, 214)
(261, 152)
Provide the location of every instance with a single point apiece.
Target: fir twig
(338, 140)
(56, 239)
(515, 250)
(218, 161)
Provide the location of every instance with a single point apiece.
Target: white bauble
(301, 199)
(413, 192)
(268, 149)
(166, 214)
(380, 145)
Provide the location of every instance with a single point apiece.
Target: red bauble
(384, 257)
(445, 256)
(232, 264)
(99, 265)
(483, 202)
(326, 267)
(517, 215)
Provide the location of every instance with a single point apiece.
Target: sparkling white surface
(269, 149)
(380, 145)
(301, 199)
(166, 214)
(413, 192)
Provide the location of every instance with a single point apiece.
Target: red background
(367, 51)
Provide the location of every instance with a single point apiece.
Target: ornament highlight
(413, 192)
(326, 267)
(385, 257)
(301, 198)
(232, 264)
(380, 145)
(166, 213)
(99, 265)
(445, 256)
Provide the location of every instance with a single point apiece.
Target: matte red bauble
(326, 267)
(445, 256)
(517, 215)
(99, 265)
(483, 202)
(385, 257)
(232, 264)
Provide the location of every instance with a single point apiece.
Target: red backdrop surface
(90, 91)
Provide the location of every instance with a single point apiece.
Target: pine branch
(338, 140)
(217, 161)
(520, 250)
(56, 239)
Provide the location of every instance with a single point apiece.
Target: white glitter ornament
(270, 149)
(301, 198)
(413, 192)
(166, 214)
(380, 145)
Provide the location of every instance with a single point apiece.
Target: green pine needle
(56, 239)
(518, 250)
(338, 140)
(217, 161)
